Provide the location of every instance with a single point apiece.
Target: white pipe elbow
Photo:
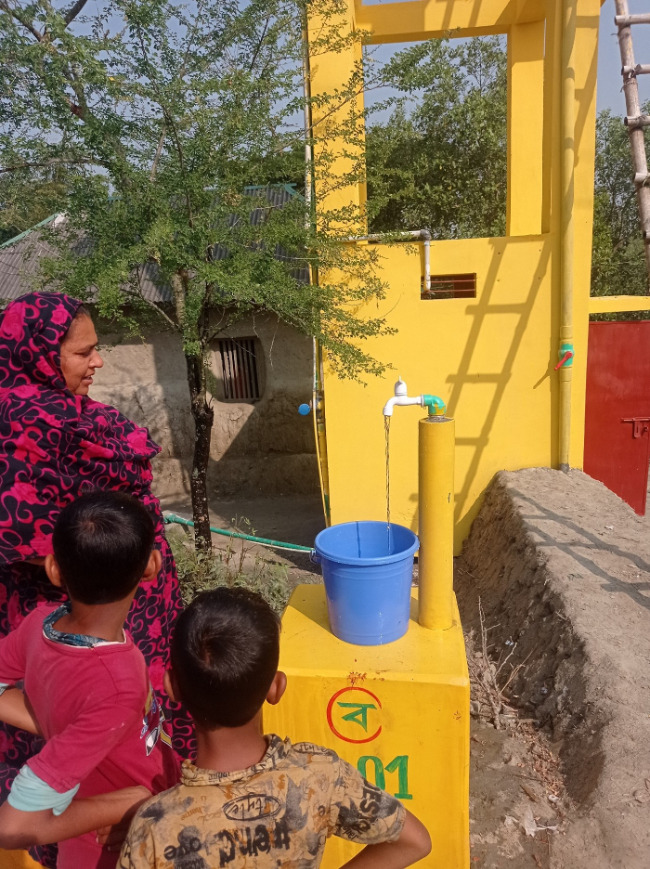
(388, 407)
(401, 401)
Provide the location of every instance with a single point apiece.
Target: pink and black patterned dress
(54, 445)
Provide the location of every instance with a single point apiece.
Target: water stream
(387, 438)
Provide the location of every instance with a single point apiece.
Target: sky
(609, 93)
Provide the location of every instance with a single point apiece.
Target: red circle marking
(331, 722)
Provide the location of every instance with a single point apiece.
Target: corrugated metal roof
(20, 257)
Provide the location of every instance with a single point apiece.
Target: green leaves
(167, 122)
(618, 261)
(439, 163)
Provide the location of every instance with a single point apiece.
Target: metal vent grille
(239, 364)
(450, 287)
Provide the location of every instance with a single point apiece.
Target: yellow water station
(398, 712)
(500, 310)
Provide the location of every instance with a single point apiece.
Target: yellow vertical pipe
(568, 195)
(318, 405)
(436, 505)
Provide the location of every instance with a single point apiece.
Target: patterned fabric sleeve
(138, 850)
(362, 812)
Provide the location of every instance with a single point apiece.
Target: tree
(441, 165)
(171, 116)
(27, 198)
(618, 261)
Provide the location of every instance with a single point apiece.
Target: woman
(55, 443)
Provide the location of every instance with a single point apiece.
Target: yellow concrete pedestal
(399, 713)
(17, 860)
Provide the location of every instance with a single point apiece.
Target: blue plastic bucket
(367, 568)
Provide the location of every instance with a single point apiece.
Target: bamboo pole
(624, 19)
(635, 125)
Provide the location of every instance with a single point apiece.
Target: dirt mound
(562, 570)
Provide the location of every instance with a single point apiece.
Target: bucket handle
(314, 557)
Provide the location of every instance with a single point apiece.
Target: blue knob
(304, 409)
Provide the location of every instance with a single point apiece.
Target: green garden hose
(262, 541)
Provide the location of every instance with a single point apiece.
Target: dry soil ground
(554, 590)
(562, 569)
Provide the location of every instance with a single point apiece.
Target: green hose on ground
(171, 518)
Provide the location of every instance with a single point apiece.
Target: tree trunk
(202, 413)
(203, 416)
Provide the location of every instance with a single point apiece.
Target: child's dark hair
(224, 655)
(102, 543)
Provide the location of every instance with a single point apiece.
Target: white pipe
(309, 151)
(427, 262)
(401, 401)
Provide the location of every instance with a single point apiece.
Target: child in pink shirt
(88, 688)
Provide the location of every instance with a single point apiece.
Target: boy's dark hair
(224, 655)
(102, 543)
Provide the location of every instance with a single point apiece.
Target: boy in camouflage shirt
(251, 800)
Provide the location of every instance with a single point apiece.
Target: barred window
(450, 287)
(239, 364)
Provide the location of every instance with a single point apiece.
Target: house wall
(258, 448)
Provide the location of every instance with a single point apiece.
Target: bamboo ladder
(635, 121)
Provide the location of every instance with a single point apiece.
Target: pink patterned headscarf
(54, 445)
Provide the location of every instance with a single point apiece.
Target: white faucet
(401, 398)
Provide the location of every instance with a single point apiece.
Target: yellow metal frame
(614, 304)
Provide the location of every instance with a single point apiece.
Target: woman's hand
(15, 709)
(112, 837)
(20, 829)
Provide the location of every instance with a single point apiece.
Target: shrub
(233, 566)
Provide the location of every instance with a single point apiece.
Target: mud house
(262, 372)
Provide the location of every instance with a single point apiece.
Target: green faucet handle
(436, 405)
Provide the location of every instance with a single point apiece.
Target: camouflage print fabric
(278, 813)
